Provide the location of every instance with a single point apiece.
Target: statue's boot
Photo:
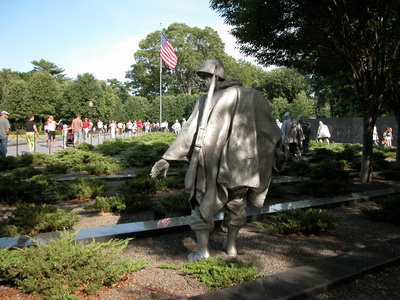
(230, 243)
(202, 241)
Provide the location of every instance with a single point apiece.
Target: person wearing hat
(230, 141)
(4, 132)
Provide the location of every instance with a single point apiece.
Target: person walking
(323, 133)
(387, 136)
(113, 129)
(51, 131)
(86, 128)
(176, 127)
(4, 132)
(77, 127)
(30, 131)
(100, 128)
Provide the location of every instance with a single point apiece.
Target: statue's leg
(202, 241)
(235, 218)
(202, 229)
(230, 243)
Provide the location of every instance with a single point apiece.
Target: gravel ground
(270, 253)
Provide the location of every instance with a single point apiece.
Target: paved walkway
(17, 144)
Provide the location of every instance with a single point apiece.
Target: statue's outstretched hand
(161, 165)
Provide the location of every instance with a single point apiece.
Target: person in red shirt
(139, 125)
(86, 127)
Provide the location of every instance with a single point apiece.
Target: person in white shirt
(100, 127)
(129, 126)
(176, 127)
(113, 129)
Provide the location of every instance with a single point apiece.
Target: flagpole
(160, 91)
(160, 84)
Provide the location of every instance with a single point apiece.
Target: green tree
(79, 93)
(249, 74)
(120, 113)
(7, 76)
(323, 36)
(16, 100)
(335, 92)
(284, 82)
(303, 105)
(278, 107)
(137, 107)
(104, 106)
(52, 68)
(120, 89)
(43, 94)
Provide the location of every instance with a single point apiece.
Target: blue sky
(95, 36)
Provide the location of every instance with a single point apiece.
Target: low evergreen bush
(218, 273)
(115, 204)
(64, 266)
(55, 168)
(7, 163)
(276, 190)
(85, 147)
(143, 186)
(41, 158)
(79, 160)
(83, 188)
(177, 203)
(323, 154)
(33, 219)
(11, 162)
(387, 210)
(297, 221)
(330, 170)
(393, 173)
(25, 172)
(321, 188)
(101, 167)
(141, 155)
(300, 167)
(138, 202)
(113, 147)
(379, 160)
(17, 188)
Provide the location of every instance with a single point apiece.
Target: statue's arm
(161, 165)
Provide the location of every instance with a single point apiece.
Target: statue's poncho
(237, 150)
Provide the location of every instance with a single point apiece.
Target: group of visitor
(80, 130)
(387, 136)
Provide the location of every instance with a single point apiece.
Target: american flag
(167, 53)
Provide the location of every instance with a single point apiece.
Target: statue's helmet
(287, 115)
(212, 66)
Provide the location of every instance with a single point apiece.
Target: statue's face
(207, 80)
